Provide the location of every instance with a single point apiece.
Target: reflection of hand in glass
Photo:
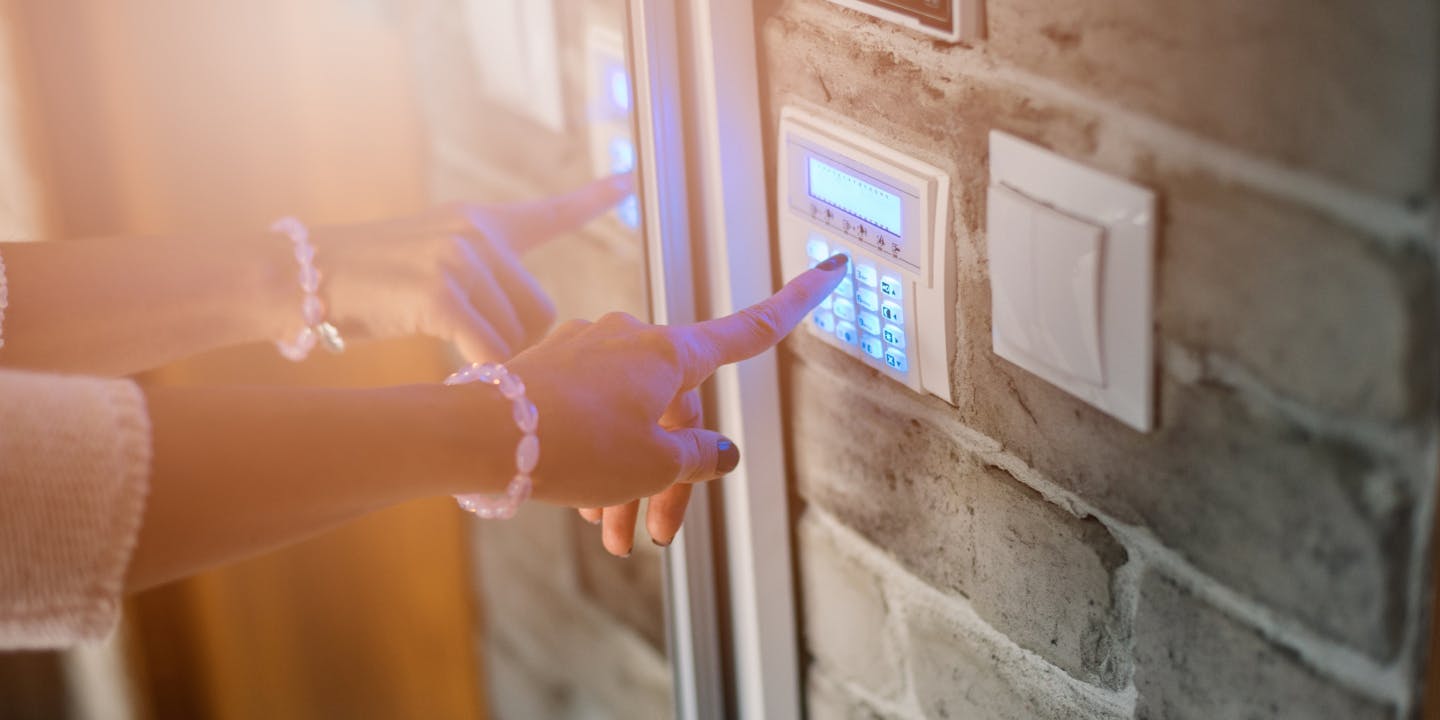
(454, 272)
(116, 306)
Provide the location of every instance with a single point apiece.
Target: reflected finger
(528, 225)
(490, 297)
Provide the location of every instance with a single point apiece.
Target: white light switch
(1071, 260)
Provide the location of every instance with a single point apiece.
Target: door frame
(703, 107)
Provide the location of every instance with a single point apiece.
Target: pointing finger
(528, 225)
(757, 328)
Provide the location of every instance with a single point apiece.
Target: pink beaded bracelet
(527, 452)
(312, 308)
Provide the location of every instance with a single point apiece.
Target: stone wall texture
(1265, 551)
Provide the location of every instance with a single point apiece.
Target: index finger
(528, 224)
(758, 328)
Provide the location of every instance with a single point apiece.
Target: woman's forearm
(115, 306)
(237, 471)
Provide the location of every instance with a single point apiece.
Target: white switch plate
(896, 236)
(517, 55)
(1071, 256)
(949, 20)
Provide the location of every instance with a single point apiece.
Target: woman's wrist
(472, 437)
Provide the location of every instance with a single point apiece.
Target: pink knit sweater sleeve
(74, 469)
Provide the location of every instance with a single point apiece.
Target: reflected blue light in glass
(629, 212)
(620, 88)
(622, 154)
(836, 187)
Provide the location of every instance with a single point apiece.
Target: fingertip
(727, 456)
(834, 262)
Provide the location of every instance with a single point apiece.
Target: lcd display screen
(834, 186)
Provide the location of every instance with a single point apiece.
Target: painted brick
(1195, 663)
(958, 674)
(1321, 313)
(1037, 573)
(845, 614)
(1249, 275)
(1344, 89)
(825, 699)
(1316, 526)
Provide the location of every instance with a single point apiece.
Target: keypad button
(825, 304)
(869, 322)
(825, 320)
(892, 312)
(866, 298)
(816, 248)
(872, 346)
(865, 274)
(890, 285)
(845, 289)
(843, 308)
(894, 335)
(846, 332)
(896, 360)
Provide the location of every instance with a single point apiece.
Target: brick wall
(1264, 553)
(569, 631)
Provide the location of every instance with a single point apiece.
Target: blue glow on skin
(836, 187)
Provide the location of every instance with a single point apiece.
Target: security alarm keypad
(848, 194)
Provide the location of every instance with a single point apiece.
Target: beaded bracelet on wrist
(312, 309)
(527, 451)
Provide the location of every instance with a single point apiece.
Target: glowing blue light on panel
(836, 187)
(620, 88)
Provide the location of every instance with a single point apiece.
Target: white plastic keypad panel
(845, 193)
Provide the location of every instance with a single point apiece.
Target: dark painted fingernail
(727, 455)
(837, 260)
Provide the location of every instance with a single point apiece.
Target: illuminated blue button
(866, 298)
(869, 322)
(872, 346)
(896, 360)
(865, 274)
(816, 248)
(846, 332)
(892, 312)
(825, 304)
(825, 320)
(893, 335)
(843, 308)
(845, 289)
(890, 286)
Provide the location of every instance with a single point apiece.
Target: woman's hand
(617, 399)
(453, 273)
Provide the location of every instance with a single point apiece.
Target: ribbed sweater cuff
(75, 474)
